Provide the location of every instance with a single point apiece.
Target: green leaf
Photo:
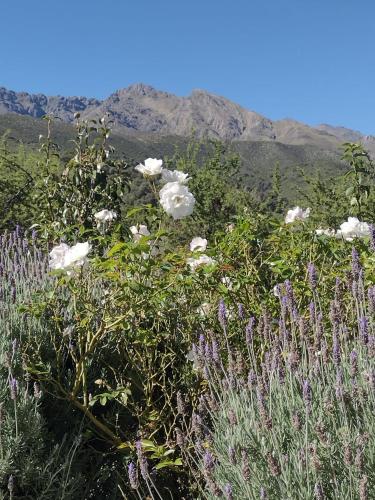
(116, 248)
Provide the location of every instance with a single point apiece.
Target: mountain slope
(258, 158)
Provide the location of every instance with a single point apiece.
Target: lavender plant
(296, 418)
(32, 463)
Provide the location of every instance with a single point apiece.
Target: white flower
(227, 282)
(77, 255)
(204, 309)
(353, 228)
(99, 167)
(65, 257)
(229, 228)
(198, 244)
(296, 213)
(177, 200)
(150, 168)
(174, 176)
(139, 231)
(325, 232)
(57, 255)
(276, 290)
(105, 215)
(202, 260)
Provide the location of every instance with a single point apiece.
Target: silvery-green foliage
(298, 422)
(32, 463)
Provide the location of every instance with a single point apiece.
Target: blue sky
(311, 60)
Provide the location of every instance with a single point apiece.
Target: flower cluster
(175, 197)
(199, 244)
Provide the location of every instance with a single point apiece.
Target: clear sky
(311, 60)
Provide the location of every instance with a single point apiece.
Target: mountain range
(148, 122)
(142, 108)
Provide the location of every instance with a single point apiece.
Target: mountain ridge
(142, 108)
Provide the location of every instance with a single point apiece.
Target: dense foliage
(98, 338)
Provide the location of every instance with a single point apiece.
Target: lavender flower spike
(228, 492)
(313, 276)
(13, 386)
(307, 393)
(250, 331)
(133, 478)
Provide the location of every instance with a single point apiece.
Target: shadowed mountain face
(141, 108)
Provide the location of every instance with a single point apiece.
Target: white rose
(105, 215)
(77, 255)
(65, 257)
(151, 168)
(198, 244)
(353, 228)
(202, 260)
(139, 231)
(177, 200)
(57, 255)
(174, 176)
(296, 213)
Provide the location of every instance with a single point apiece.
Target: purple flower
(307, 393)
(336, 351)
(318, 492)
(251, 379)
(363, 330)
(142, 460)
(339, 384)
(228, 492)
(232, 417)
(232, 455)
(208, 353)
(372, 237)
(215, 352)
(133, 477)
(250, 331)
(313, 277)
(201, 346)
(353, 363)
(371, 299)
(245, 469)
(13, 386)
(263, 494)
(208, 463)
(241, 311)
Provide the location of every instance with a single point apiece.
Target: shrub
(294, 417)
